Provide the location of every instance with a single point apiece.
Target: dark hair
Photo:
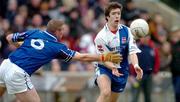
(110, 6)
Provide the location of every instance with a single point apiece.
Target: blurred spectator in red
(175, 63)
(67, 38)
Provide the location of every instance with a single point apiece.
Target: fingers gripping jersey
(122, 42)
(39, 48)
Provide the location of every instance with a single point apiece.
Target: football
(139, 28)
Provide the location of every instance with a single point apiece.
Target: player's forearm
(109, 65)
(90, 57)
(134, 59)
(110, 56)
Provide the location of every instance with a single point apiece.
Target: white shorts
(15, 79)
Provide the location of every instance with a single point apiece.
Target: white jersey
(105, 39)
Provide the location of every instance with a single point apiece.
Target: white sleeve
(132, 44)
(100, 45)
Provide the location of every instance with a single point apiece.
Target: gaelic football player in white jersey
(111, 78)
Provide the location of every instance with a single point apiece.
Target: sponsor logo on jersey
(100, 48)
(123, 40)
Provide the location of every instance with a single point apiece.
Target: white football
(139, 28)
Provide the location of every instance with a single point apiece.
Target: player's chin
(116, 23)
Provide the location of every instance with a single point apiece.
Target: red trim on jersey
(114, 32)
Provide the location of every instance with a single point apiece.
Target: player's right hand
(18, 44)
(114, 57)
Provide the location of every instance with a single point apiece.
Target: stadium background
(71, 82)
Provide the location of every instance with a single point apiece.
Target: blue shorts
(117, 83)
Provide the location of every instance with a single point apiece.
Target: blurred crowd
(84, 18)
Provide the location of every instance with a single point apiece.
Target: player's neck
(112, 28)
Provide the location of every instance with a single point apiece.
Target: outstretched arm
(85, 57)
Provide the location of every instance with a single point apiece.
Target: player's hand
(116, 72)
(114, 57)
(18, 44)
(139, 72)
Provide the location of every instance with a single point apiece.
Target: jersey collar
(51, 35)
(107, 28)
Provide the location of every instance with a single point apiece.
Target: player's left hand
(116, 72)
(139, 73)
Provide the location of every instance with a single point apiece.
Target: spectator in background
(165, 56)
(23, 11)
(148, 60)
(3, 8)
(130, 12)
(5, 48)
(44, 8)
(175, 63)
(36, 22)
(55, 10)
(99, 7)
(33, 7)
(83, 7)
(158, 29)
(11, 10)
(74, 16)
(86, 24)
(19, 24)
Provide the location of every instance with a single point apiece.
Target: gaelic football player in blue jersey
(111, 78)
(38, 48)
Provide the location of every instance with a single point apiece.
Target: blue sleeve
(21, 36)
(66, 54)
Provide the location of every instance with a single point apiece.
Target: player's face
(60, 32)
(114, 17)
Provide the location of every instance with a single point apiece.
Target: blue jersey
(39, 48)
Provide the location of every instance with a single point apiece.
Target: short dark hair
(54, 24)
(110, 6)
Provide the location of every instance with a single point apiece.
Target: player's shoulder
(32, 31)
(121, 26)
(59, 45)
(126, 28)
(101, 34)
